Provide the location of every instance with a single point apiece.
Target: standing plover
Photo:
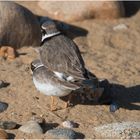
(61, 68)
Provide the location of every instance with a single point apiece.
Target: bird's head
(35, 64)
(49, 29)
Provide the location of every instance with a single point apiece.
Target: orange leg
(7, 52)
(68, 102)
(3, 51)
(11, 54)
(53, 105)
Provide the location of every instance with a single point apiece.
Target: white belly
(50, 89)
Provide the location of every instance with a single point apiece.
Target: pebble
(1, 84)
(31, 127)
(7, 124)
(3, 106)
(3, 134)
(61, 133)
(120, 27)
(113, 107)
(69, 124)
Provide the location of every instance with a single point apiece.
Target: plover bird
(18, 27)
(61, 68)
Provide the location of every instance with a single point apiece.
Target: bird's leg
(68, 102)
(3, 51)
(53, 107)
(11, 54)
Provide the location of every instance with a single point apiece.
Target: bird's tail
(91, 85)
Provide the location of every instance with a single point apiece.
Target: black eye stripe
(32, 67)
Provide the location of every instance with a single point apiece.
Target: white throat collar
(49, 35)
(41, 65)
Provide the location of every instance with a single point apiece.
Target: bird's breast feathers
(51, 89)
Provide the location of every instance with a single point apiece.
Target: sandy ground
(114, 55)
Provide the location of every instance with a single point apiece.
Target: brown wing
(44, 75)
(62, 55)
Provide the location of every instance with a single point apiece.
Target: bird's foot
(7, 52)
(3, 51)
(53, 108)
(66, 105)
(11, 54)
(53, 104)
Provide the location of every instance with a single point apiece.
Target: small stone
(3, 106)
(113, 107)
(61, 133)
(3, 134)
(31, 127)
(1, 84)
(69, 124)
(120, 27)
(38, 119)
(7, 124)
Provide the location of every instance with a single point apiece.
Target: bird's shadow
(72, 31)
(125, 97)
(48, 126)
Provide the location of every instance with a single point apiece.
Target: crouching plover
(61, 68)
(49, 84)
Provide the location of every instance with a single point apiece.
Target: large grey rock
(31, 127)
(18, 26)
(80, 10)
(119, 130)
(61, 133)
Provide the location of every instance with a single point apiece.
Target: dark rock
(7, 124)
(3, 106)
(3, 84)
(63, 133)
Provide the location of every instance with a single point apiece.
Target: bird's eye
(43, 32)
(32, 67)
